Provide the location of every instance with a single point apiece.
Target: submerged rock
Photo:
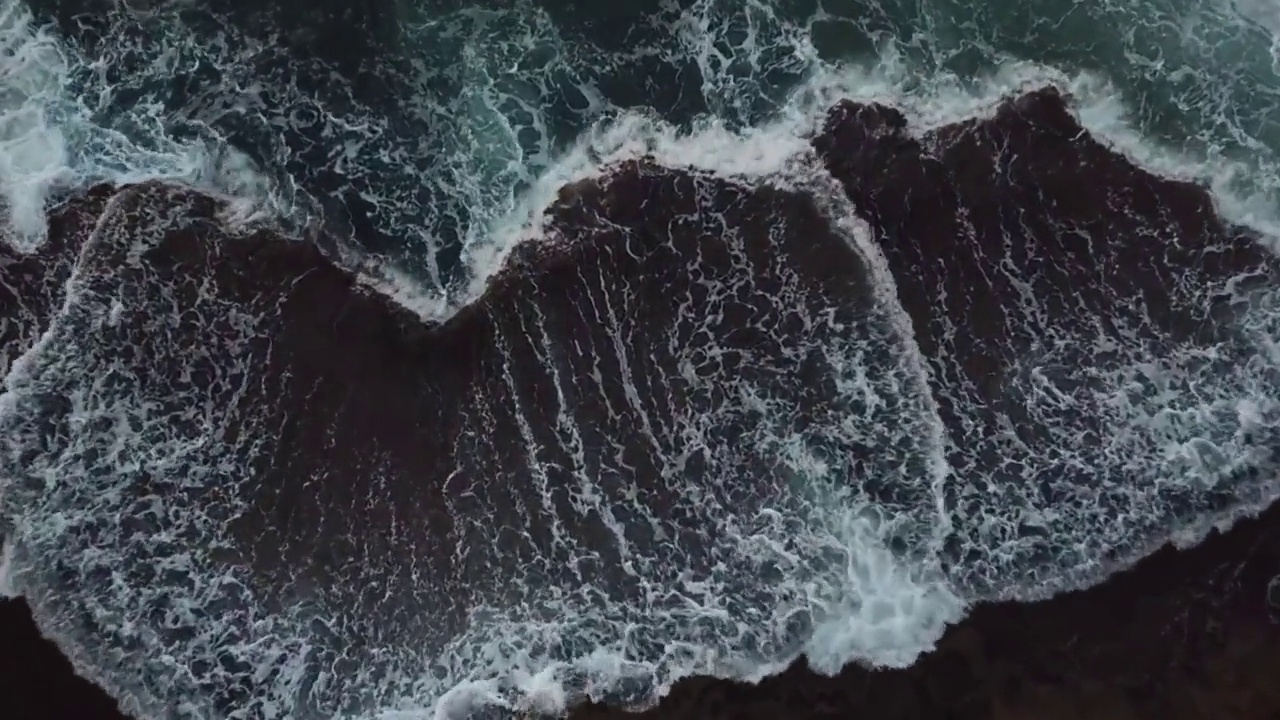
(229, 425)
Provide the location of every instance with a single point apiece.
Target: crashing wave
(701, 425)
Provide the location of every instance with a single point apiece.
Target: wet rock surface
(1189, 633)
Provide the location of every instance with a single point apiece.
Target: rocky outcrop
(620, 348)
(1000, 231)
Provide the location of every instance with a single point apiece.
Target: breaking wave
(710, 474)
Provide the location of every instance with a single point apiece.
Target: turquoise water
(457, 108)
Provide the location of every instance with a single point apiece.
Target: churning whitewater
(522, 353)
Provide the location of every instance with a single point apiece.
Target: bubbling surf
(658, 491)
(498, 384)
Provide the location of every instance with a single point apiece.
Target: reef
(1028, 258)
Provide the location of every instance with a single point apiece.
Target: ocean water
(427, 138)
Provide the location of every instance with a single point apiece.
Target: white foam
(878, 608)
(33, 154)
(770, 151)
(1104, 112)
(49, 139)
(7, 588)
(759, 152)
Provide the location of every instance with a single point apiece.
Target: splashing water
(139, 439)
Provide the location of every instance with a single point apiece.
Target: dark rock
(1183, 634)
(37, 681)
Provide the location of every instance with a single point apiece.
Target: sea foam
(48, 142)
